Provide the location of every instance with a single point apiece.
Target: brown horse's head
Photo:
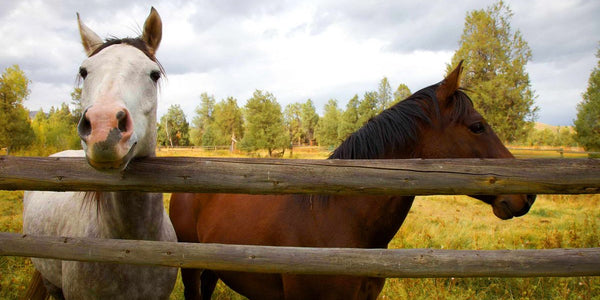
(436, 122)
(459, 131)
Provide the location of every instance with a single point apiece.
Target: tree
(56, 131)
(495, 60)
(228, 123)
(308, 121)
(384, 95)
(327, 129)
(401, 93)
(15, 127)
(587, 124)
(559, 136)
(367, 108)
(264, 124)
(292, 120)
(173, 129)
(76, 102)
(349, 119)
(203, 119)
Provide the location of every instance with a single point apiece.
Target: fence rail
(399, 177)
(281, 176)
(321, 261)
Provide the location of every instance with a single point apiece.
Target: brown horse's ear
(152, 31)
(89, 39)
(450, 84)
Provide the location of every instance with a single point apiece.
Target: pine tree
(401, 93)
(367, 108)
(228, 122)
(384, 95)
(76, 102)
(264, 127)
(349, 119)
(587, 123)
(203, 118)
(495, 60)
(292, 120)
(327, 129)
(308, 121)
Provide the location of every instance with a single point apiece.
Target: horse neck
(374, 220)
(129, 215)
(378, 218)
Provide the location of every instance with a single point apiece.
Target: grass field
(442, 222)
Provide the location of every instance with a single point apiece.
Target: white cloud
(45, 95)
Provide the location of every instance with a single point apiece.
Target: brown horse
(436, 122)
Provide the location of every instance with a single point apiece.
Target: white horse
(119, 95)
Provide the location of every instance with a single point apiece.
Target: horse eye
(155, 75)
(83, 72)
(477, 128)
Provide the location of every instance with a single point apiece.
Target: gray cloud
(233, 47)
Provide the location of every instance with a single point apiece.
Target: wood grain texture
(281, 176)
(342, 261)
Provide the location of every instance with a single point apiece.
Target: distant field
(442, 222)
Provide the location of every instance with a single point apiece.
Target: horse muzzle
(508, 206)
(107, 137)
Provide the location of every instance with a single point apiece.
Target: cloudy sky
(298, 50)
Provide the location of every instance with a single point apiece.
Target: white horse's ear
(152, 31)
(89, 39)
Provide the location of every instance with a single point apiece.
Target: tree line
(495, 57)
(263, 124)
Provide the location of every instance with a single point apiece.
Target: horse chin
(502, 211)
(116, 165)
(504, 206)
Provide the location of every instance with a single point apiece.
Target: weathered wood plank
(341, 261)
(281, 176)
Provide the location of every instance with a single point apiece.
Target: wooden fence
(397, 177)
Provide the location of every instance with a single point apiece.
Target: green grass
(442, 222)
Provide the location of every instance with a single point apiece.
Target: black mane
(396, 128)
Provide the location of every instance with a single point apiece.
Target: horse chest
(115, 281)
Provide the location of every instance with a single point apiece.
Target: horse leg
(208, 282)
(53, 290)
(191, 283)
(36, 289)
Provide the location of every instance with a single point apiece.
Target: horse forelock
(462, 106)
(137, 43)
(398, 127)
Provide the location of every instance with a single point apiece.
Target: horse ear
(89, 39)
(450, 84)
(152, 31)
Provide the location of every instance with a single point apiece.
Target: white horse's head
(119, 95)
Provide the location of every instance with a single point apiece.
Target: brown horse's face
(468, 136)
